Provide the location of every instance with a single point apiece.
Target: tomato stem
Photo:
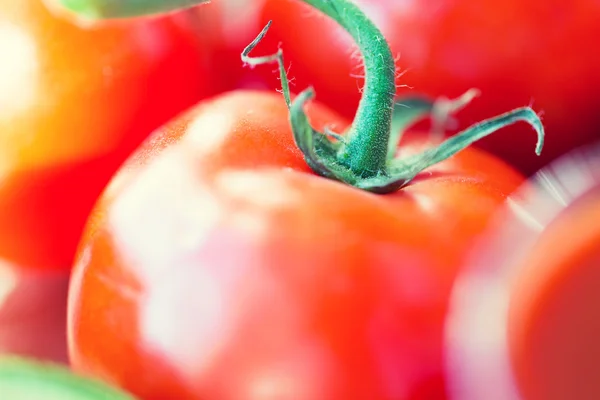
(365, 156)
(367, 140)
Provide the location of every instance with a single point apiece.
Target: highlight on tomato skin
(210, 271)
(521, 313)
(515, 52)
(75, 101)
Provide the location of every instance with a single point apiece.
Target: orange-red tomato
(554, 325)
(74, 102)
(218, 266)
(516, 52)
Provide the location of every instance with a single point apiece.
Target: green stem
(364, 157)
(365, 150)
(367, 140)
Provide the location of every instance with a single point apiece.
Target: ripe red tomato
(218, 266)
(516, 52)
(74, 102)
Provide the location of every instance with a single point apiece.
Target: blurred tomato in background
(226, 27)
(516, 52)
(74, 102)
(523, 316)
(33, 313)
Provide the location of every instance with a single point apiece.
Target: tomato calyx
(365, 155)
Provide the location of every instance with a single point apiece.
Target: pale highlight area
(268, 189)
(184, 215)
(165, 244)
(8, 281)
(197, 298)
(239, 19)
(253, 191)
(206, 132)
(309, 361)
(18, 70)
(213, 301)
(477, 336)
(19, 74)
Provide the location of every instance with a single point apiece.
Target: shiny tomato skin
(218, 266)
(516, 52)
(74, 103)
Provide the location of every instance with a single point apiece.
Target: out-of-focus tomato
(554, 320)
(523, 313)
(74, 102)
(217, 265)
(33, 309)
(516, 52)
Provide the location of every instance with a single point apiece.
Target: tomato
(33, 313)
(218, 266)
(74, 102)
(516, 52)
(553, 326)
(523, 313)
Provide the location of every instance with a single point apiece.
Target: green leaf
(109, 9)
(25, 379)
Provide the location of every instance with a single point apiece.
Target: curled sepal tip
(401, 171)
(272, 58)
(412, 108)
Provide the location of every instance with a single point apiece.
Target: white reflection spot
(18, 70)
(206, 131)
(164, 213)
(260, 188)
(196, 300)
(8, 282)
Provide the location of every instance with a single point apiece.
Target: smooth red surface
(74, 102)
(554, 320)
(217, 266)
(516, 52)
(33, 313)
